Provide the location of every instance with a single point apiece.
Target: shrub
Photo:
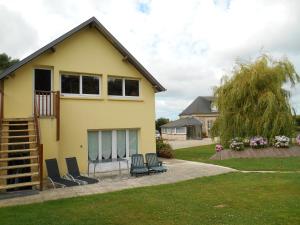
(281, 142)
(237, 144)
(219, 148)
(163, 149)
(258, 142)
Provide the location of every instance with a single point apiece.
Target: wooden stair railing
(39, 145)
(21, 157)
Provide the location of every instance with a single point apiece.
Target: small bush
(258, 142)
(219, 148)
(237, 144)
(281, 142)
(163, 149)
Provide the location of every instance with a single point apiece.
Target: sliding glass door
(112, 144)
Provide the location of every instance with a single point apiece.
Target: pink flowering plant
(237, 144)
(219, 148)
(281, 142)
(258, 142)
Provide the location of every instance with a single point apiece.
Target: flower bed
(281, 142)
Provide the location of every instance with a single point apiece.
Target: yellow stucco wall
(85, 52)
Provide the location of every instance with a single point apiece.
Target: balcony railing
(47, 104)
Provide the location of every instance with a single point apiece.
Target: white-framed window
(112, 144)
(163, 130)
(180, 130)
(80, 84)
(123, 87)
(168, 130)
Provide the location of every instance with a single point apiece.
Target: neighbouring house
(195, 121)
(82, 95)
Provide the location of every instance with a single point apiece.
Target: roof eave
(92, 21)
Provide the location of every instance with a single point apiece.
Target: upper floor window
(123, 87)
(80, 84)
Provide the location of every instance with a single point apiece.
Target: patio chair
(54, 175)
(74, 173)
(138, 166)
(153, 164)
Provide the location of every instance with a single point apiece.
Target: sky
(187, 45)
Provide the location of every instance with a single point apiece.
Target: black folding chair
(54, 175)
(74, 173)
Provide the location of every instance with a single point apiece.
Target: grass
(233, 198)
(203, 153)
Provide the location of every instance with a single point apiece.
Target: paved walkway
(178, 170)
(190, 143)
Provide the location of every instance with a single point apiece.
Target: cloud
(16, 36)
(187, 45)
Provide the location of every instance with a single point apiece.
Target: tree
(159, 122)
(253, 101)
(6, 61)
(297, 121)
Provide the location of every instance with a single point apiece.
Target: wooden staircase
(20, 155)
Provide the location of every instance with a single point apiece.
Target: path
(178, 170)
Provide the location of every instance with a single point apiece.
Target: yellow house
(82, 95)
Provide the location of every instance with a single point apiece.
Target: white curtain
(93, 144)
(106, 144)
(133, 142)
(121, 143)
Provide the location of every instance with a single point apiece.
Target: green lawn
(203, 153)
(233, 198)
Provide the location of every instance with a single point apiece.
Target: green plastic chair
(138, 166)
(153, 164)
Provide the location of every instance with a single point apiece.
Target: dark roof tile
(201, 105)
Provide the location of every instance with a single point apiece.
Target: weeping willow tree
(254, 102)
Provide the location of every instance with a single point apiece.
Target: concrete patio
(178, 170)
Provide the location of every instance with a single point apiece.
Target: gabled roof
(92, 22)
(201, 105)
(183, 122)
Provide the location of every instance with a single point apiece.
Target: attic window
(123, 87)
